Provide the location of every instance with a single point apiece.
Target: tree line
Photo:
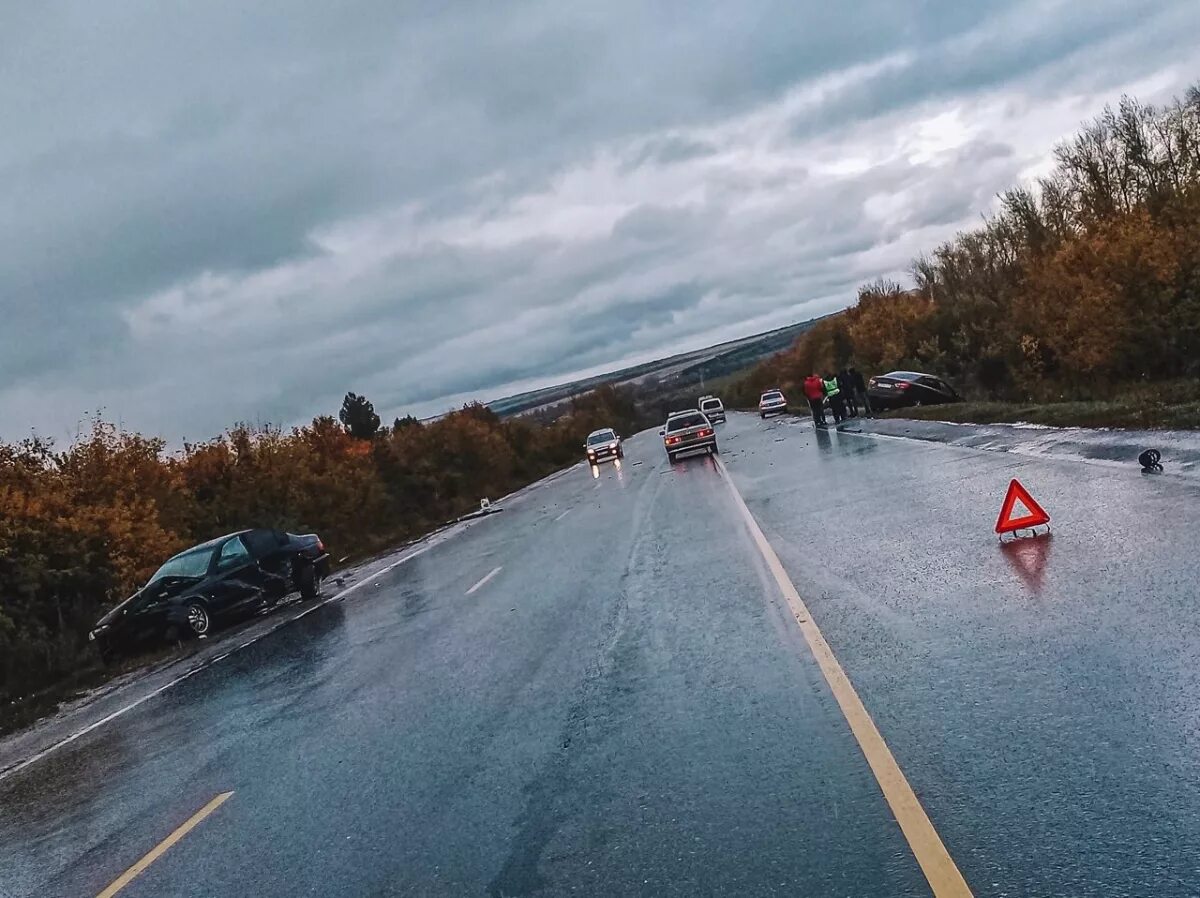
(82, 527)
(1078, 286)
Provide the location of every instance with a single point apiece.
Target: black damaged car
(212, 583)
(909, 389)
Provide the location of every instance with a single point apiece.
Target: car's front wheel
(196, 618)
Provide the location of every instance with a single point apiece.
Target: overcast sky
(214, 211)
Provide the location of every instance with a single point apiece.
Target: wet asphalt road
(625, 707)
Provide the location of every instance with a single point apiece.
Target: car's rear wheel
(308, 582)
(713, 449)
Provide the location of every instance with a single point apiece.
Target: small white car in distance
(772, 402)
(713, 409)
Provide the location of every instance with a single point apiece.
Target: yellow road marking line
(939, 868)
(161, 848)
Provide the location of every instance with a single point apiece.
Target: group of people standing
(846, 392)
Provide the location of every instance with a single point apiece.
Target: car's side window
(233, 555)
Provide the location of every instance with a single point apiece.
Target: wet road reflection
(1028, 557)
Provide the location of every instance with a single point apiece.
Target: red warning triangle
(1036, 515)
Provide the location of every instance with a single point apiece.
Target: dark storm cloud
(219, 211)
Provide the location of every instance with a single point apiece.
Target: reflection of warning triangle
(1028, 558)
(1034, 515)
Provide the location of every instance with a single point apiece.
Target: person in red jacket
(814, 391)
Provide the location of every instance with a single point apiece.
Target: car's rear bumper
(706, 443)
(773, 410)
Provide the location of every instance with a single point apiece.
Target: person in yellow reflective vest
(836, 403)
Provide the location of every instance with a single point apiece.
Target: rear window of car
(771, 397)
(710, 404)
(903, 375)
(682, 422)
(604, 436)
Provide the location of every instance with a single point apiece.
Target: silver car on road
(688, 430)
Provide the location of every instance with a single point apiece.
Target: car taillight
(871, 382)
(704, 433)
(320, 545)
(903, 386)
(671, 441)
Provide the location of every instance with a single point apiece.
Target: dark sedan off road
(907, 389)
(213, 582)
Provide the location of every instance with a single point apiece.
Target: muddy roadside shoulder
(1180, 449)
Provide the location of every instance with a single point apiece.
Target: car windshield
(602, 436)
(682, 422)
(189, 565)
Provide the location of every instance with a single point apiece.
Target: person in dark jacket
(846, 388)
(814, 392)
(835, 398)
(860, 390)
